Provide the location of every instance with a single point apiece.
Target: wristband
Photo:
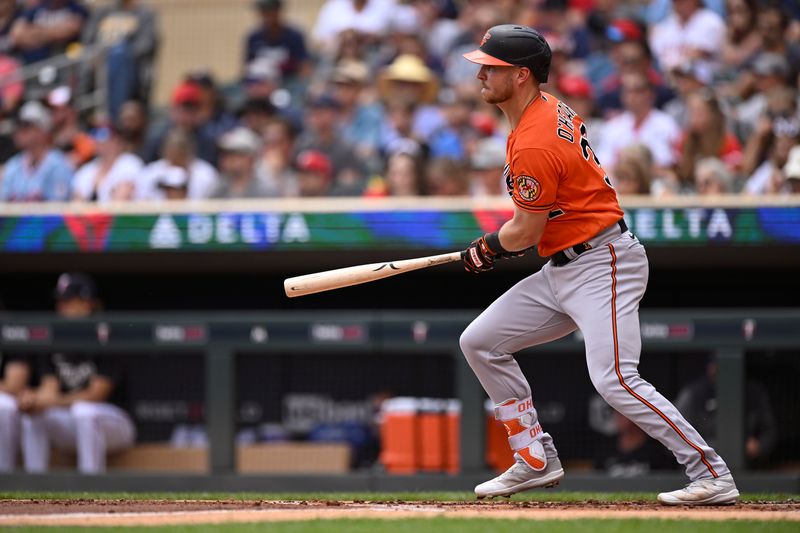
(493, 242)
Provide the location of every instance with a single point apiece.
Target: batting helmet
(514, 45)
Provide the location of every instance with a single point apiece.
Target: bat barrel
(356, 275)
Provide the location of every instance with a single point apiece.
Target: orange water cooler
(400, 435)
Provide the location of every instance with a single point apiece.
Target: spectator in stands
(314, 173)
(12, 90)
(791, 172)
(184, 116)
(455, 138)
(697, 402)
(577, 92)
(487, 172)
(48, 28)
(132, 126)
(773, 25)
(712, 176)
(215, 119)
(397, 129)
(404, 175)
(690, 32)
(409, 80)
(780, 119)
(9, 13)
(687, 78)
(180, 173)
(767, 178)
(360, 118)
(370, 18)
(67, 134)
(39, 172)
(630, 57)
(15, 379)
(130, 34)
(632, 173)
(256, 114)
(706, 135)
(742, 40)
(322, 134)
(112, 175)
(77, 403)
(447, 177)
(239, 149)
(641, 122)
(275, 165)
(439, 32)
(768, 72)
(278, 41)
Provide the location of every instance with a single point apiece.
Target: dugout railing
(222, 336)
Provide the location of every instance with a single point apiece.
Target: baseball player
(597, 272)
(73, 407)
(15, 377)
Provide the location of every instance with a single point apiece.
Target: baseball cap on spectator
(60, 96)
(792, 167)
(489, 153)
(350, 71)
(34, 113)
(187, 93)
(575, 86)
(624, 30)
(241, 140)
(173, 178)
(266, 5)
(314, 161)
(484, 122)
(409, 68)
(770, 64)
(75, 285)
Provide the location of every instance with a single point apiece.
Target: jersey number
(587, 150)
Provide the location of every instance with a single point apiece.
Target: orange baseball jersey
(551, 167)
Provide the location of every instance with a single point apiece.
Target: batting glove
(480, 254)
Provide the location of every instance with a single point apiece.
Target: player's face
(497, 83)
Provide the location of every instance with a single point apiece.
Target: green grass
(455, 525)
(549, 496)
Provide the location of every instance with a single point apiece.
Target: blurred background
(166, 164)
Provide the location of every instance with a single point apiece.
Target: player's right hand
(478, 257)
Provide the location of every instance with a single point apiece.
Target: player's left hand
(478, 257)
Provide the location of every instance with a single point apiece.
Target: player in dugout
(565, 205)
(75, 405)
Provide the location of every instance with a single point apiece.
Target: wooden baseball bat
(355, 275)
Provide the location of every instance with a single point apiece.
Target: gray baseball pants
(597, 292)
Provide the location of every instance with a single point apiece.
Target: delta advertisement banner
(272, 231)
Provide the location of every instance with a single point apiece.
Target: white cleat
(714, 491)
(521, 477)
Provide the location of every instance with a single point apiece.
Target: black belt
(561, 258)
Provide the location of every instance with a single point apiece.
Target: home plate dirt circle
(174, 512)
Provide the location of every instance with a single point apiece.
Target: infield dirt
(166, 512)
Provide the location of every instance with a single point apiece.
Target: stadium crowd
(680, 97)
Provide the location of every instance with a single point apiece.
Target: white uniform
(92, 429)
(9, 432)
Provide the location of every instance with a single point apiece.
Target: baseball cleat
(714, 491)
(521, 477)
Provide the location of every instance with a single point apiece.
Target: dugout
(208, 268)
